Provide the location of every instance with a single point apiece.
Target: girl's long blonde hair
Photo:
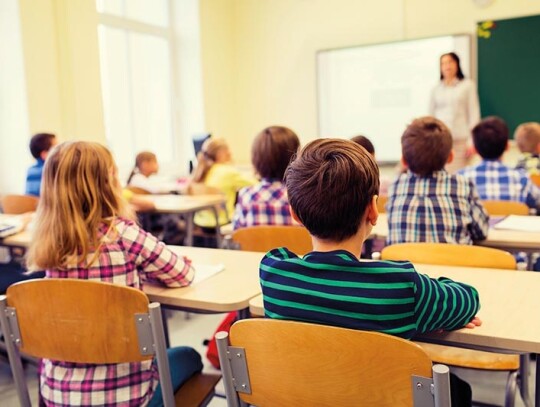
(80, 192)
(207, 157)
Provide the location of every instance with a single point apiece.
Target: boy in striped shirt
(332, 187)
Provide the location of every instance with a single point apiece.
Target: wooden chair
(286, 363)
(89, 322)
(466, 256)
(17, 204)
(503, 208)
(535, 178)
(265, 238)
(381, 203)
(138, 190)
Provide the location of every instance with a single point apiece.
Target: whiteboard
(376, 90)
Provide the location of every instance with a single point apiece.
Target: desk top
(183, 203)
(500, 239)
(509, 302)
(229, 290)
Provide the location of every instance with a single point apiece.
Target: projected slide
(376, 90)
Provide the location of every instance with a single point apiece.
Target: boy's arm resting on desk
(444, 304)
(479, 226)
(155, 259)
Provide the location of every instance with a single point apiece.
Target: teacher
(454, 101)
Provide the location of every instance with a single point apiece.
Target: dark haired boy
(527, 136)
(40, 144)
(332, 187)
(495, 180)
(426, 203)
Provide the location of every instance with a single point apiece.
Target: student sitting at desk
(146, 165)
(266, 203)
(214, 170)
(493, 179)
(426, 203)
(83, 230)
(332, 187)
(527, 136)
(40, 144)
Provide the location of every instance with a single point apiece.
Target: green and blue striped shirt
(335, 288)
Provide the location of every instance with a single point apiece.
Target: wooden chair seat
(473, 359)
(199, 387)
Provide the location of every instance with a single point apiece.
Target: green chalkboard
(509, 69)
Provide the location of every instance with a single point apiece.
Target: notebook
(519, 223)
(204, 271)
(10, 226)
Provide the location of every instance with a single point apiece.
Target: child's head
(146, 163)
(213, 151)
(330, 185)
(272, 151)
(80, 191)
(527, 136)
(40, 144)
(490, 137)
(426, 146)
(366, 143)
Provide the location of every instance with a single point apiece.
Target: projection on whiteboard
(376, 90)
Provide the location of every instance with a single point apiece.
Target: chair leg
(511, 383)
(523, 379)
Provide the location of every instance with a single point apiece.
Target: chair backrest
(265, 238)
(502, 208)
(381, 203)
(288, 363)
(86, 322)
(535, 178)
(16, 204)
(450, 254)
(138, 190)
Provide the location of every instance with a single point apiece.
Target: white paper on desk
(519, 223)
(10, 226)
(204, 271)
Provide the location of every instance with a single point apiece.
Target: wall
(266, 52)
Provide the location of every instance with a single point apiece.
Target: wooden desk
(509, 302)
(186, 205)
(229, 290)
(500, 239)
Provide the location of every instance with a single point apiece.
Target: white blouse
(456, 105)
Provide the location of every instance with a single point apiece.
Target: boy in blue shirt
(40, 144)
(332, 187)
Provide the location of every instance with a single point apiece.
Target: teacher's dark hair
(454, 56)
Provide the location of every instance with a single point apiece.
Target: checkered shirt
(263, 204)
(496, 181)
(530, 163)
(128, 256)
(440, 208)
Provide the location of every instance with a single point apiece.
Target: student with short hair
(84, 230)
(426, 203)
(495, 180)
(527, 136)
(266, 203)
(40, 144)
(332, 187)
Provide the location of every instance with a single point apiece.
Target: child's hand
(474, 323)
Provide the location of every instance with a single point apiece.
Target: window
(136, 44)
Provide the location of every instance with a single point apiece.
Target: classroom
(150, 97)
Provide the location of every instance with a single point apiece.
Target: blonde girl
(85, 230)
(214, 170)
(146, 164)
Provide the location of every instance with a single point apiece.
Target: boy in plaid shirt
(427, 204)
(495, 180)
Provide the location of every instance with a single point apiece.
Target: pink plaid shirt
(128, 256)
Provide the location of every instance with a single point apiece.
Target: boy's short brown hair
(364, 142)
(330, 184)
(426, 145)
(527, 136)
(490, 137)
(272, 151)
(41, 142)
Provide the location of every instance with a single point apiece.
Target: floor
(487, 387)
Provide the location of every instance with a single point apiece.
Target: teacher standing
(454, 100)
